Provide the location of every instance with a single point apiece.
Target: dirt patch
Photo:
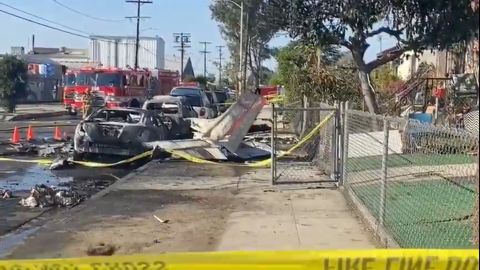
(125, 220)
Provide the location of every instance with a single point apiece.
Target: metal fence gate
(306, 144)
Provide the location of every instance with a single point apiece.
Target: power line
(205, 52)
(138, 17)
(44, 25)
(85, 14)
(41, 18)
(89, 37)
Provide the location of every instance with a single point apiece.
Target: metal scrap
(6, 194)
(45, 196)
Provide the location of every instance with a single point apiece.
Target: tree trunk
(367, 91)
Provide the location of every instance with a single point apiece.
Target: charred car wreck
(176, 113)
(119, 132)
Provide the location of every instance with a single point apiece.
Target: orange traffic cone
(58, 134)
(30, 134)
(16, 135)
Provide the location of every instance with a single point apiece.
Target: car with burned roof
(175, 112)
(119, 131)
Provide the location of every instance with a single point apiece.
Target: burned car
(175, 113)
(119, 131)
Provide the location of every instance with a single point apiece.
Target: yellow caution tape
(37, 161)
(106, 165)
(90, 164)
(390, 259)
(183, 155)
(259, 164)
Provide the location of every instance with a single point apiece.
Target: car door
(207, 105)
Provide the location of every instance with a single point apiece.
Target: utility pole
(183, 39)
(240, 53)
(220, 58)
(138, 17)
(205, 52)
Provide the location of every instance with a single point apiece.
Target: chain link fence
(414, 183)
(304, 142)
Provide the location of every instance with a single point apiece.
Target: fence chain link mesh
(312, 160)
(422, 191)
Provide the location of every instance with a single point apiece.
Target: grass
(397, 160)
(424, 214)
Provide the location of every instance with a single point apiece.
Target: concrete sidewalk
(32, 111)
(208, 208)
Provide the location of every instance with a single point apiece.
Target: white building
(118, 51)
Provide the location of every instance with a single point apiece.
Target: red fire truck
(69, 90)
(118, 87)
(130, 88)
(76, 83)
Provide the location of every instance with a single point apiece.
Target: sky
(167, 17)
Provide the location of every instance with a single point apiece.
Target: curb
(30, 116)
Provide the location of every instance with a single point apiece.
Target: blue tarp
(422, 117)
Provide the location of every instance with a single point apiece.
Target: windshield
(193, 100)
(185, 91)
(85, 78)
(167, 107)
(69, 79)
(119, 116)
(109, 79)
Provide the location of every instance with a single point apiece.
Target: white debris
(44, 196)
(5, 194)
(29, 202)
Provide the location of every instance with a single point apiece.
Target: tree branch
(386, 30)
(345, 44)
(386, 56)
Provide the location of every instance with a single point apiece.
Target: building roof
(188, 70)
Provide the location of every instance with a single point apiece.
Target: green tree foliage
(301, 74)
(415, 24)
(13, 77)
(384, 79)
(258, 31)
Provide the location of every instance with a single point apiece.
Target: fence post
(340, 137)
(334, 153)
(345, 145)
(272, 154)
(383, 184)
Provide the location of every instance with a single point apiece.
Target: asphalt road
(21, 177)
(43, 128)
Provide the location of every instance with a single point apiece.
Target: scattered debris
(44, 196)
(6, 194)
(101, 249)
(29, 202)
(160, 220)
(59, 163)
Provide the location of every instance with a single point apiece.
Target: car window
(221, 97)
(194, 100)
(165, 107)
(131, 117)
(185, 91)
(210, 97)
(206, 101)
